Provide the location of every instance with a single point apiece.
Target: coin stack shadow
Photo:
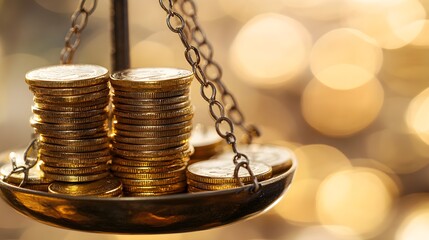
(70, 118)
(151, 130)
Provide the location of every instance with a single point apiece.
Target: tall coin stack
(152, 126)
(70, 117)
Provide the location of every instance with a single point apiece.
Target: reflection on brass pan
(146, 213)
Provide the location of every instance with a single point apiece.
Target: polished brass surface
(150, 215)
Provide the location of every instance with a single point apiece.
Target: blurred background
(344, 83)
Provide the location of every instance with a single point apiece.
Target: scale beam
(120, 35)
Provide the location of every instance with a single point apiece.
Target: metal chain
(176, 23)
(79, 20)
(29, 162)
(212, 69)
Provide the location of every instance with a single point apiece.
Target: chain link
(29, 162)
(175, 22)
(211, 68)
(79, 20)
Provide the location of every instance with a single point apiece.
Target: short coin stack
(206, 143)
(152, 126)
(218, 174)
(106, 187)
(70, 117)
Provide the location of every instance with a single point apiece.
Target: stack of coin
(151, 130)
(206, 143)
(218, 174)
(106, 187)
(70, 117)
(278, 157)
(36, 179)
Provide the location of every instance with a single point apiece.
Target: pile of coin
(218, 174)
(70, 118)
(106, 187)
(206, 143)
(278, 157)
(151, 130)
(36, 179)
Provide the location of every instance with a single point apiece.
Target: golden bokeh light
(326, 233)
(299, 207)
(344, 76)
(53, 6)
(422, 40)
(348, 47)
(340, 113)
(403, 152)
(270, 50)
(357, 198)
(327, 159)
(322, 10)
(417, 116)
(152, 54)
(390, 23)
(416, 221)
(243, 10)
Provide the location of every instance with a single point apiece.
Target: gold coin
(150, 101)
(192, 189)
(72, 134)
(278, 157)
(152, 194)
(182, 138)
(153, 88)
(95, 154)
(221, 171)
(154, 122)
(67, 76)
(157, 188)
(154, 182)
(153, 134)
(146, 94)
(35, 174)
(212, 187)
(180, 155)
(75, 178)
(145, 147)
(102, 100)
(135, 163)
(179, 151)
(76, 98)
(150, 108)
(60, 108)
(74, 142)
(155, 115)
(138, 128)
(151, 78)
(75, 171)
(40, 91)
(104, 187)
(53, 114)
(65, 120)
(206, 142)
(64, 127)
(128, 169)
(171, 174)
(73, 149)
(73, 162)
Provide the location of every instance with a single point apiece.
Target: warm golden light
(418, 115)
(299, 205)
(152, 54)
(349, 48)
(243, 10)
(391, 23)
(322, 10)
(344, 76)
(401, 151)
(324, 232)
(340, 113)
(422, 40)
(415, 224)
(357, 198)
(53, 6)
(39, 231)
(270, 50)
